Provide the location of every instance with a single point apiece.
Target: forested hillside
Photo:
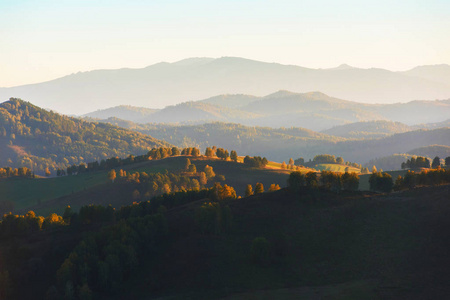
(38, 139)
(280, 144)
(369, 129)
(126, 112)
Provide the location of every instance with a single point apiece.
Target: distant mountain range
(164, 84)
(315, 111)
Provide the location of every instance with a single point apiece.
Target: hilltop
(164, 84)
(35, 138)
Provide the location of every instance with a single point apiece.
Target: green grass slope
(49, 195)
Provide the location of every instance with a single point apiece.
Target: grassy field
(28, 193)
(48, 195)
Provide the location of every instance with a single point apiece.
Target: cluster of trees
(299, 183)
(256, 161)
(325, 159)
(163, 152)
(7, 172)
(381, 181)
(104, 260)
(21, 225)
(55, 141)
(259, 188)
(427, 177)
(416, 163)
(221, 153)
(115, 162)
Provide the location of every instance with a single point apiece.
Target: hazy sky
(42, 40)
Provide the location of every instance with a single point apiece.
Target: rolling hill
(35, 138)
(164, 84)
(277, 245)
(47, 195)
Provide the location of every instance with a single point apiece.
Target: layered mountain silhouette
(164, 84)
(316, 111)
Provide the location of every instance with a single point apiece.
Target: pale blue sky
(43, 40)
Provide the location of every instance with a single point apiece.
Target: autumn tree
(187, 164)
(209, 172)
(226, 192)
(209, 152)
(259, 188)
(274, 187)
(233, 156)
(47, 172)
(222, 153)
(202, 178)
(436, 162)
(112, 175)
(248, 190)
(175, 151)
(192, 168)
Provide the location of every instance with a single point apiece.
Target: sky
(42, 40)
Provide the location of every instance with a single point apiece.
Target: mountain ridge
(163, 84)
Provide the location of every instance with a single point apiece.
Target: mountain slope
(364, 150)
(125, 112)
(231, 101)
(35, 138)
(436, 73)
(195, 112)
(370, 129)
(170, 83)
(432, 151)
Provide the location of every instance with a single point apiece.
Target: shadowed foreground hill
(377, 247)
(352, 245)
(35, 138)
